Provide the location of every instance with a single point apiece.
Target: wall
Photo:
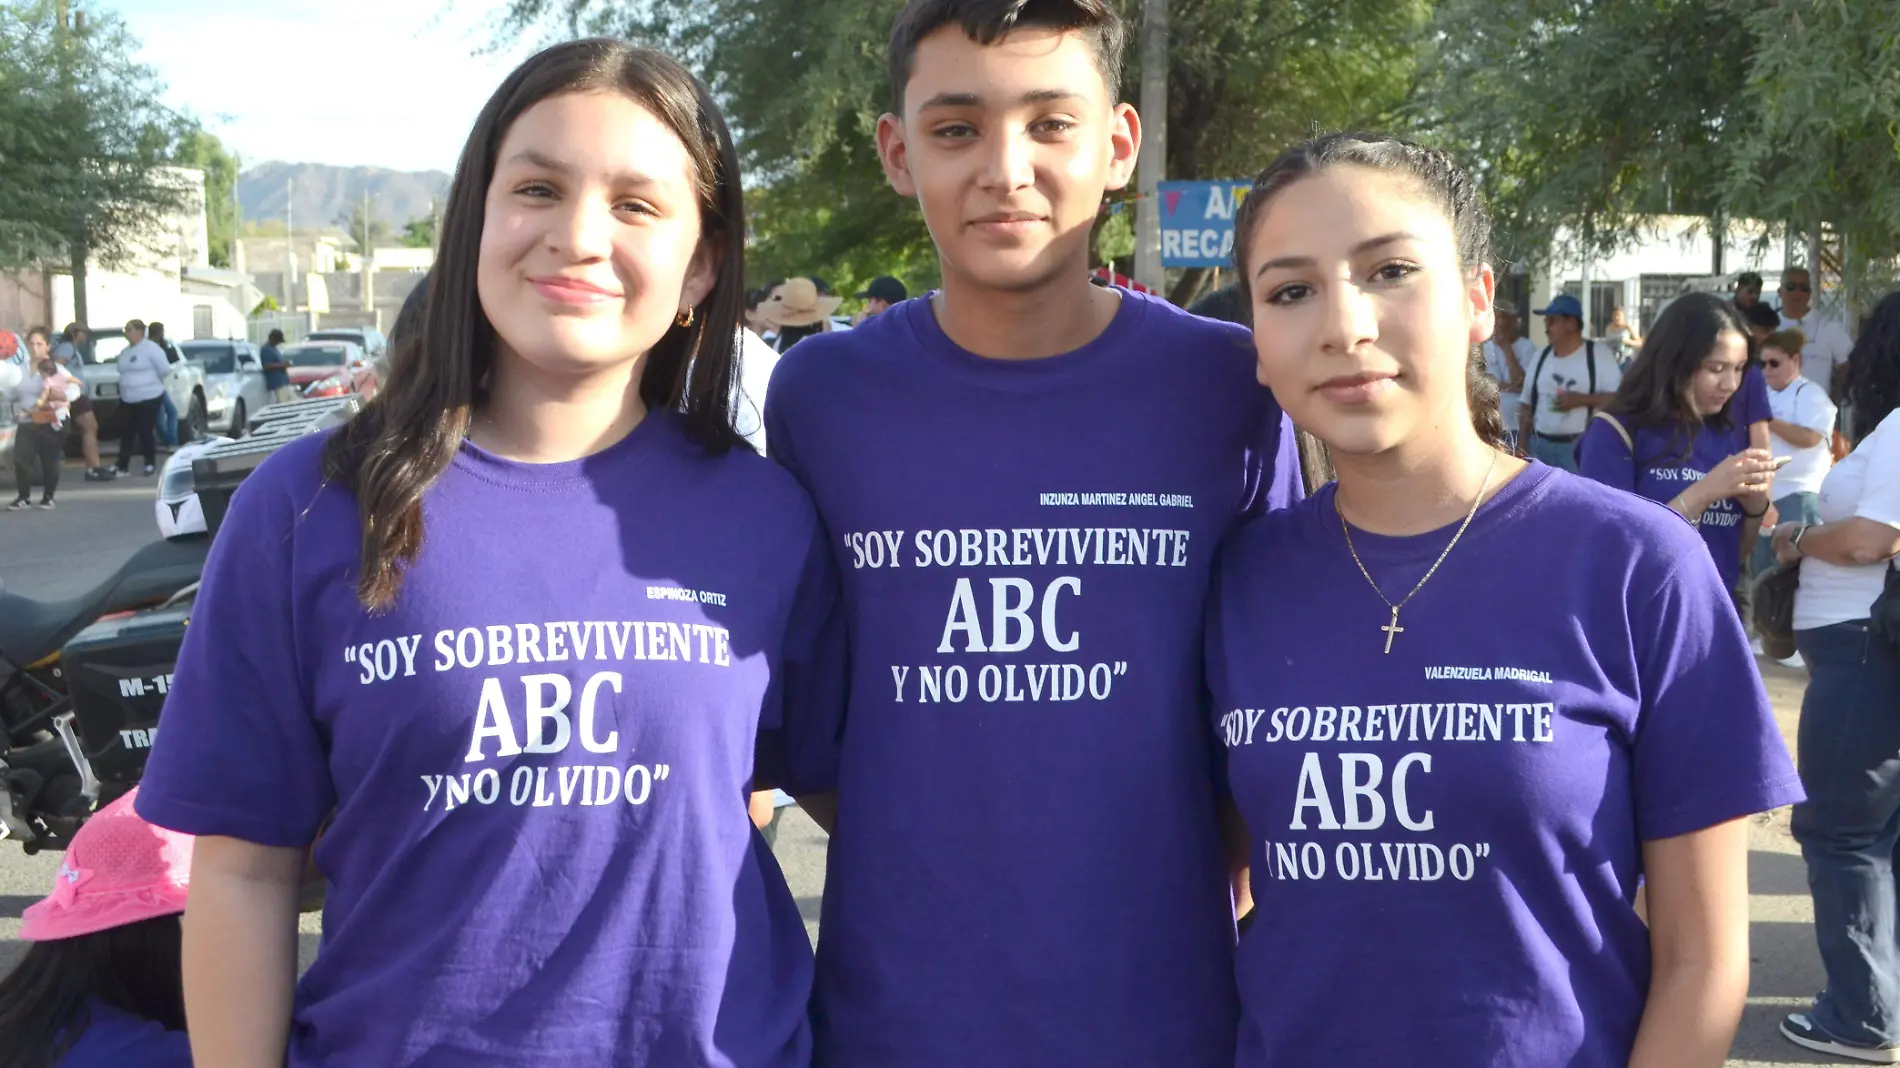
(23, 302)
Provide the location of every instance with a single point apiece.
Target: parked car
(234, 381)
(331, 369)
(365, 338)
(185, 382)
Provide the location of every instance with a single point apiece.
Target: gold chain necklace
(1392, 629)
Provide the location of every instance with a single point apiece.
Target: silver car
(234, 382)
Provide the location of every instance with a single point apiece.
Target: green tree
(196, 147)
(1583, 117)
(85, 142)
(1580, 116)
(419, 232)
(1822, 144)
(803, 82)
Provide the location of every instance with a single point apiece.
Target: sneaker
(149, 470)
(44, 506)
(20, 505)
(1754, 645)
(1800, 1029)
(1794, 661)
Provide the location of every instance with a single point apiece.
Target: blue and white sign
(1197, 222)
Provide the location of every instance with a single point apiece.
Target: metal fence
(294, 325)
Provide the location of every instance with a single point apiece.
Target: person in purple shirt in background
(1455, 776)
(1025, 478)
(100, 985)
(1669, 436)
(515, 631)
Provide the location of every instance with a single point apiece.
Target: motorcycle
(83, 680)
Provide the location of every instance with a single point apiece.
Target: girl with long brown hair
(513, 633)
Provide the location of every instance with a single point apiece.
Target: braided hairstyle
(1435, 174)
(1873, 368)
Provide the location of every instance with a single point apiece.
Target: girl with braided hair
(1490, 699)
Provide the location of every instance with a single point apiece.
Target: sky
(387, 83)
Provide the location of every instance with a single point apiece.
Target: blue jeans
(1849, 825)
(1561, 454)
(167, 422)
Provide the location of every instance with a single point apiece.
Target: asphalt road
(60, 553)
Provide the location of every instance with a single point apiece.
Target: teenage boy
(1026, 479)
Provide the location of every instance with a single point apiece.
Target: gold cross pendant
(1392, 630)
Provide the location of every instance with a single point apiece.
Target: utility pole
(1154, 142)
(369, 270)
(290, 247)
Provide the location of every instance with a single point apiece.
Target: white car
(179, 512)
(185, 382)
(234, 382)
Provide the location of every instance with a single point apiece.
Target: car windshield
(218, 359)
(106, 349)
(316, 355)
(333, 335)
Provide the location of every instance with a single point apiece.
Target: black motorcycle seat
(30, 630)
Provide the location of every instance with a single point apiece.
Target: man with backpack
(1565, 385)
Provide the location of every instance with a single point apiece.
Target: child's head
(1007, 128)
(1366, 264)
(108, 932)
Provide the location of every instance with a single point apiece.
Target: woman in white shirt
(142, 371)
(1850, 732)
(1803, 420)
(41, 403)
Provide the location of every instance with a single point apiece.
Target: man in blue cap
(1565, 385)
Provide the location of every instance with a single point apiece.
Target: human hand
(1785, 550)
(1750, 471)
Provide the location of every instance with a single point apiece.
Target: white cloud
(390, 83)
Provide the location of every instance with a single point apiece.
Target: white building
(1669, 251)
(152, 284)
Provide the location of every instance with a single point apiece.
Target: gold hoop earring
(685, 317)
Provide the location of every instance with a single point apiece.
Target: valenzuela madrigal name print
(557, 717)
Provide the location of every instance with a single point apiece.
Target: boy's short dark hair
(276, 338)
(987, 21)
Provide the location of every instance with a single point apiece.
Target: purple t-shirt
(1026, 868)
(1750, 403)
(1662, 467)
(538, 759)
(114, 1038)
(1447, 837)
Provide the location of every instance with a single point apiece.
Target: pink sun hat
(118, 870)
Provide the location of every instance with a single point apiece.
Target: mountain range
(321, 195)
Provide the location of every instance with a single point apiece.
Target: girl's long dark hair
(397, 447)
(1655, 390)
(1873, 375)
(1435, 172)
(45, 1000)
